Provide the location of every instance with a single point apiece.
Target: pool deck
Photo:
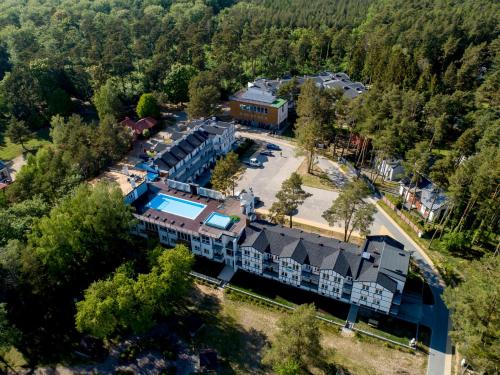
(228, 207)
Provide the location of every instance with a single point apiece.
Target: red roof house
(139, 126)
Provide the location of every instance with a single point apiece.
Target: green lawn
(9, 150)
(318, 179)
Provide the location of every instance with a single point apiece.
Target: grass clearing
(240, 331)
(9, 150)
(317, 179)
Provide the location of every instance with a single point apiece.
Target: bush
(148, 106)
(455, 242)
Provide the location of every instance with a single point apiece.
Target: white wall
(371, 295)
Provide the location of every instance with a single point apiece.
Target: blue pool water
(145, 167)
(218, 220)
(176, 206)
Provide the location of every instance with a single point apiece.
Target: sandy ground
(360, 356)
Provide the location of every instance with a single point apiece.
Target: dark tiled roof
(169, 159)
(387, 260)
(178, 152)
(186, 146)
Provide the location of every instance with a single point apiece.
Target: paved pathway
(436, 316)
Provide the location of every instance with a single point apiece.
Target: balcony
(218, 257)
(309, 285)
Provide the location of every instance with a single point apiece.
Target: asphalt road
(266, 182)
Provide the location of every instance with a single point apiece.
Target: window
(195, 238)
(376, 302)
(184, 236)
(256, 255)
(196, 248)
(326, 277)
(170, 230)
(378, 291)
(294, 277)
(247, 252)
(206, 251)
(205, 239)
(362, 298)
(366, 287)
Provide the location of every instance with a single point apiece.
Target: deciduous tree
(107, 99)
(176, 83)
(126, 302)
(148, 106)
(204, 96)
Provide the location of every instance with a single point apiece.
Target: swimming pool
(176, 206)
(218, 220)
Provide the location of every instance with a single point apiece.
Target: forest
(432, 67)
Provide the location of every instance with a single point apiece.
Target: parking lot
(266, 181)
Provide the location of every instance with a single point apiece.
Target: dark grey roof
(186, 146)
(388, 261)
(178, 152)
(169, 159)
(210, 129)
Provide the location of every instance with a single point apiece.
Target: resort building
(224, 230)
(372, 275)
(193, 153)
(258, 106)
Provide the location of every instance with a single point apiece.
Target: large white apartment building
(193, 153)
(372, 275)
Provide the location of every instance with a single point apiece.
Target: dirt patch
(362, 356)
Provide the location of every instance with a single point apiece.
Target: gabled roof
(178, 152)
(169, 159)
(387, 261)
(146, 123)
(186, 146)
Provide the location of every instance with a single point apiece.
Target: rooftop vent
(321, 245)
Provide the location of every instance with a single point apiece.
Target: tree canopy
(297, 342)
(124, 301)
(289, 198)
(226, 173)
(351, 210)
(476, 314)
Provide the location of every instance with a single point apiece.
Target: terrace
(191, 213)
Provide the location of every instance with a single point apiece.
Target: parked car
(272, 146)
(266, 153)
(253, 162)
